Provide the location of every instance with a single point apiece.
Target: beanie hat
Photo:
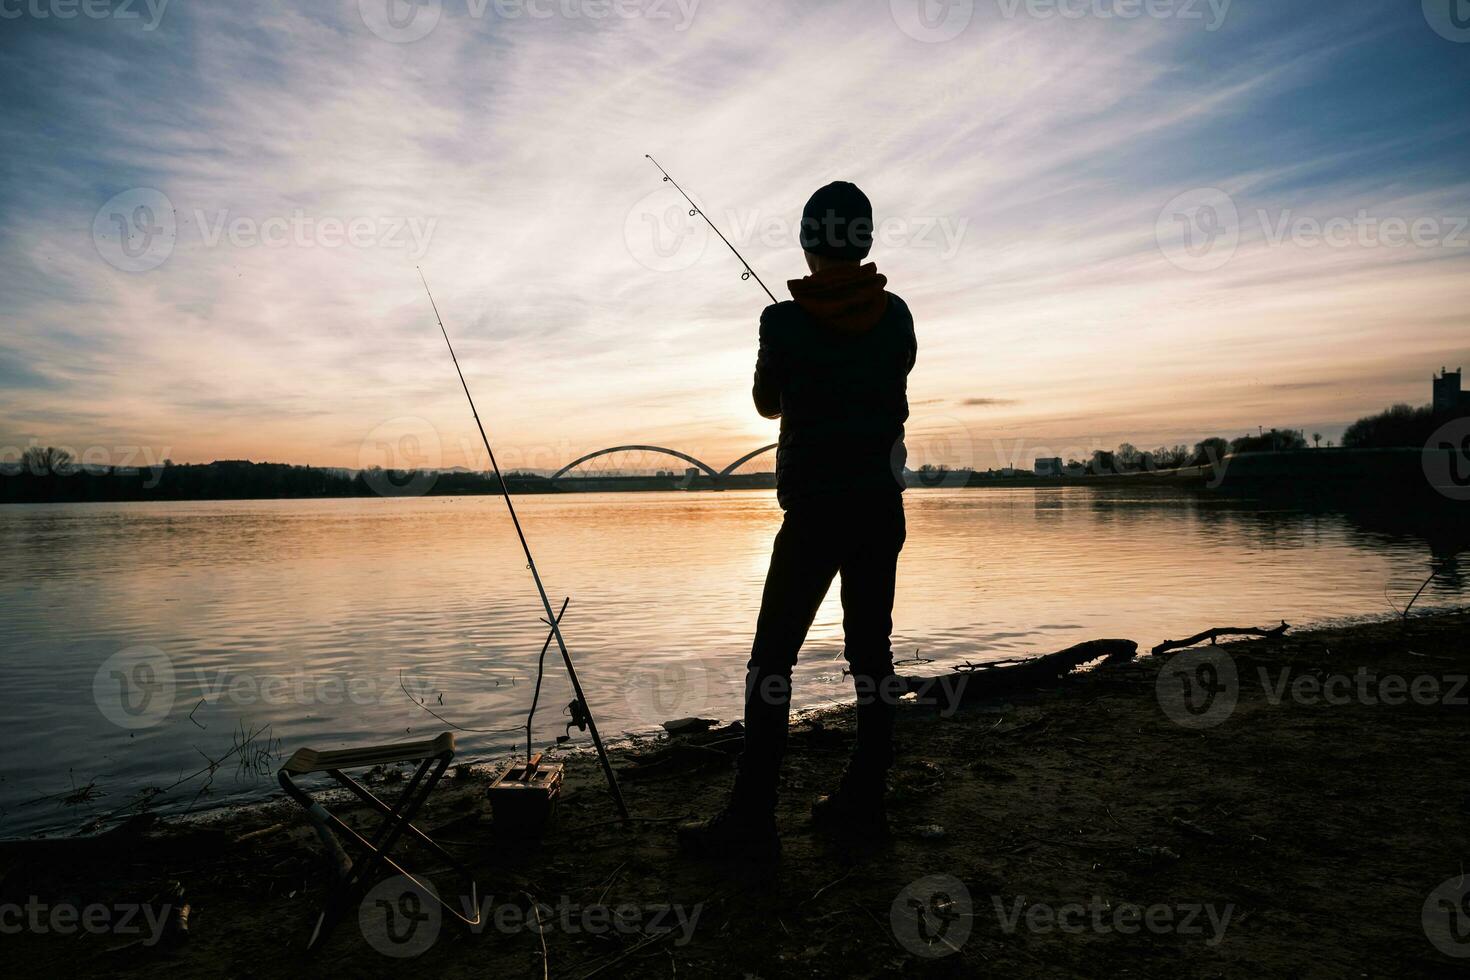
(838, 222)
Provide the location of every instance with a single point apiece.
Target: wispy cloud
(1024, 167)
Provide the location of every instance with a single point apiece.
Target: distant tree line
(1128, 458)
(45, 473)
(1398, 426)
(48, 474)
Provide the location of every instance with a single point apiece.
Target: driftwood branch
(975, 682)
(1431, 578)
(1214, 634)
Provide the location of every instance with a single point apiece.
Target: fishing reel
(580, 717)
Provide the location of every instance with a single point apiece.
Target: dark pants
(861, 540)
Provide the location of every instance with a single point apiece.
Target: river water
(141, 639)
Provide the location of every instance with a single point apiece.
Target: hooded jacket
(833, 366)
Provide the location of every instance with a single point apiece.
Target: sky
(1114, 220)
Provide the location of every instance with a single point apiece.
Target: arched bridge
(708, 469)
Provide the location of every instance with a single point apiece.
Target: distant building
(1447, 394)
(1049, 466)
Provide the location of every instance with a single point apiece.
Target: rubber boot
(735, 833)
(855, 809)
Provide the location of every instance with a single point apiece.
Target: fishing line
(694, 209)
(584, 719)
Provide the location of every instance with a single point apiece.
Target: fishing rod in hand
(694, 209)
(581, 718)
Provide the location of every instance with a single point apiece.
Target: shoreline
(226, 810)
(1406, 473)
(1057, 811)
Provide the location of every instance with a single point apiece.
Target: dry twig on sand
(1214, 634)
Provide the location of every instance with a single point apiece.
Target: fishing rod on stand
(581, 715)
(694, 209)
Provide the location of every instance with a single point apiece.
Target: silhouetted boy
(833, 365)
